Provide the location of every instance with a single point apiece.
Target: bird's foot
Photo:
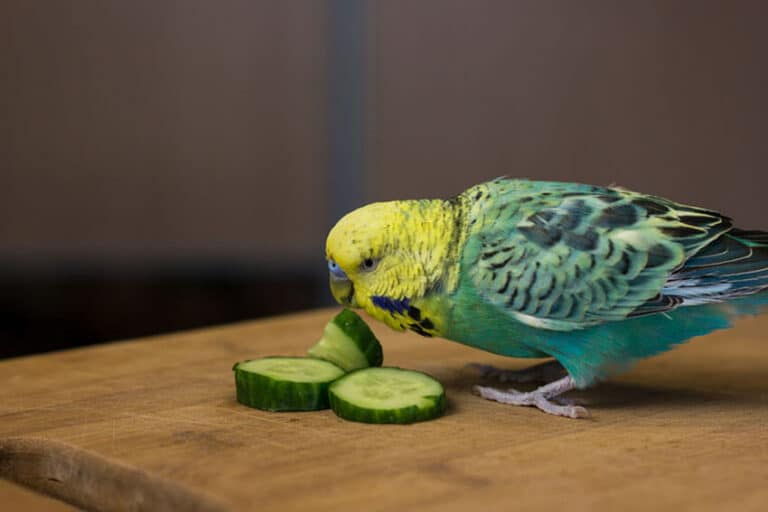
(546, 398)
(543, 372)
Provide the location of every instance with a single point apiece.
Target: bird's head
(383, 253)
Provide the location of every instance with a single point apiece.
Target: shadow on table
(724, 388)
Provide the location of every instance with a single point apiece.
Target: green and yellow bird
(594, 277)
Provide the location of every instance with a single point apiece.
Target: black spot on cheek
(418, 330)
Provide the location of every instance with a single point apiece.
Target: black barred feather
(565, 256)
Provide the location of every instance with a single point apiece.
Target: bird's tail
(725, 280)
(758, 242)
(733, 268)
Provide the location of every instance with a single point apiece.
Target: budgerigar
(594, 277)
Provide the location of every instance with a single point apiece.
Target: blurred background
(173, 164)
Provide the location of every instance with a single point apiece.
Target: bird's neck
(436, 234)
(415, 294)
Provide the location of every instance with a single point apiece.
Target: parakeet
(594, 277)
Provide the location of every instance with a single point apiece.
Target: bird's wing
(563, 260)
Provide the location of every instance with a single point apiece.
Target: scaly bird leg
(540, 397)
(543, 372)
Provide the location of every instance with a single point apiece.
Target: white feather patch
(549, 323)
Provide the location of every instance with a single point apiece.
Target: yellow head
(395, 250)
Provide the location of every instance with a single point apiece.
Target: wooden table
(157, 419)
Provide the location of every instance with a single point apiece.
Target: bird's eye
(368, 264)
(336, 270)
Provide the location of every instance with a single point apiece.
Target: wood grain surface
(687, 430)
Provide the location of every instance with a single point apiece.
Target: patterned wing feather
(562, 256)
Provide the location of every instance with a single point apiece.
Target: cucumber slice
(348, 343)
(285, 383)
(387, 395)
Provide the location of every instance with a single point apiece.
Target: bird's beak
(343, 291)
(341, 286)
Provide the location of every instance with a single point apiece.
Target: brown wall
(197, 129)
(154, 129)
(667, 97)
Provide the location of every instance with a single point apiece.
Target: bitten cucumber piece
(348, 343)
(285, 383)
(387, 395)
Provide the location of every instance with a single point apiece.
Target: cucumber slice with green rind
(387, 395)
(285, 383)
(348, 343)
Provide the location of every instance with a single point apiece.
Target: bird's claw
(533, 398)
(566, 400)
(545, 398)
